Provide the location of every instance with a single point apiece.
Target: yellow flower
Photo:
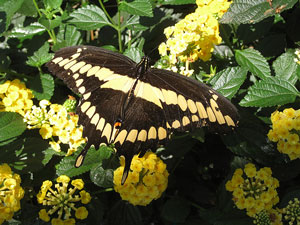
(46, 131)
(253, 190)
(15, 97)
(146, 181)
(62, 200)
(85, 197)
(10, 193)
(54, 122)
(81, 213)
(285, 129)
(43, 215)
(195, 36)
(78, 183)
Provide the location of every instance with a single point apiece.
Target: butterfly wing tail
(81, 156)
(128, 160)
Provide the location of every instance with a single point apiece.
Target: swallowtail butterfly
(133, 106)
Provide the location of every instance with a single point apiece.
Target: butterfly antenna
(81, 156)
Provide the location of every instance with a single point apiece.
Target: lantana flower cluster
(286, 127)
(53, 120)
(195, 36)
(253, 190)
(15, 97)
(268, 217)
(292, 211)
(61, 200)
(146, 181)
(10, 193)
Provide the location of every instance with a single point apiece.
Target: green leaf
(285, 67)
(134, 53)
(66, 165)
(228, 81)
(40, 57)
(252, 60)
(270, 92)
(50, 24)
(28, 9)
(52, 4)
(137, 7)
(68, 35)
(176, 210)
(177, 2)
(42, 86)
(11, 126)
(253, 11)
(89, 17)
(8, 8)
(133, 23)
(101, 177)
(28, 31)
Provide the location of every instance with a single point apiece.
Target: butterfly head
(143, 66)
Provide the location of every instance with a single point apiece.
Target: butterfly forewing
(133, 106)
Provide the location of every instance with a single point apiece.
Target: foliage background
(255, 69)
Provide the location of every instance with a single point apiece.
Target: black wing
(189, 104)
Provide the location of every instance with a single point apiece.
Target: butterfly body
(133, 106)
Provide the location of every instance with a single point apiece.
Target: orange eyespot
(117, 125)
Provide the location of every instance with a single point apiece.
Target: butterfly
(133, 106)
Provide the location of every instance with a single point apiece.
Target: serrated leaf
(101, 177)
(50, 24)
(28, 31)
(68, 35)
(66, 165)
(42, 86)
(285, 67)
(8, 8)
(89, 17)
(177, 2)
(11, 126)
(253, 61)
(134, 53)
(253, 11)
(52, 4)
(137, 7)
(271, 91)
(40, 57)
(228, 81)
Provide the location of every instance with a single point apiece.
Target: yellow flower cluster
(292, 211)
(268, 217)
(61, 201)
(253, 190)
(286, 126)
(196, 35)
(146, 181)
(15, 97)
(53, 120)
(10, 193)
